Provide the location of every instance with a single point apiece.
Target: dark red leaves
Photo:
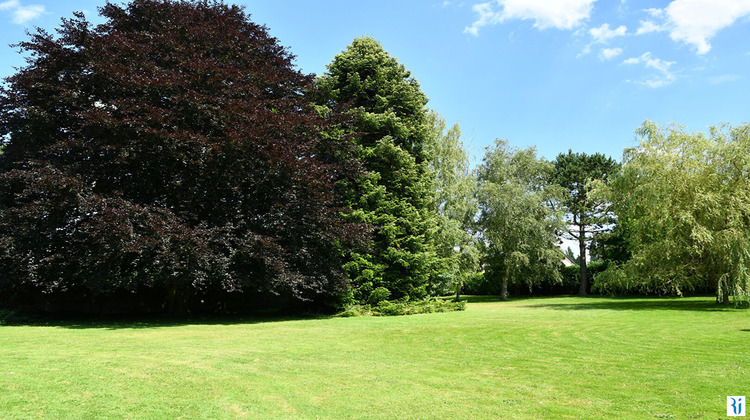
(171, 148)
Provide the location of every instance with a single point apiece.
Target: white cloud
(648, 26)
(26, 13)
(22, 14)
(586, 50)
(560, 14)
(603, 34)
(9, 4)
(649, 61)
(695, 22)
(726, 78)
(486, 17)
(664, 76)
(657, 13)
(609, 53)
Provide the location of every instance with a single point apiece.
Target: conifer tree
(396, 196)
(587, 216)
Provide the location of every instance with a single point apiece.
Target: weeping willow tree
(685, 198)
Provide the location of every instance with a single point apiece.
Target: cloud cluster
(664, 76)
(560, 14)
(603, 34)
(609, 53)
(695, 22)
(691, 22)
(22, 14)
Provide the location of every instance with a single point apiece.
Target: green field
(530, 358)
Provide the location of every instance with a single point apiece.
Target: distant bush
(617, 280)
(404, 307)
(378, 295)
(479, 284)
(12, 317)
(572, 276)
(6, 316)
(488, 284)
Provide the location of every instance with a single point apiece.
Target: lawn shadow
(707, 304)
(480, 298)
(144, 322)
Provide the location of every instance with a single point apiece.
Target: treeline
(173, 160)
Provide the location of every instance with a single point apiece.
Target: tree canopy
(586, 215)
(396, 197)
(518, 223)
(171, 153)
(173, 160)
(455, 202)
(685, 199)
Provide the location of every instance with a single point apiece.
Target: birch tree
(455, 203)
(518, 224)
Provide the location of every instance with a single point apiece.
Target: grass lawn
(529, 358)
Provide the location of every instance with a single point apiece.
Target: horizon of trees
(149, 166)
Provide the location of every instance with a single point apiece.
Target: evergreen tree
(396, 197)
(587, 215)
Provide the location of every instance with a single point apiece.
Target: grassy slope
(533, 358)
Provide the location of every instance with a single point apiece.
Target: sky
(555, 74)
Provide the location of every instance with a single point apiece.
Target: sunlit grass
(531, 358)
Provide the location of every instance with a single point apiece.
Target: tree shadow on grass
(145, 322)
(480, 298)
(706, 304)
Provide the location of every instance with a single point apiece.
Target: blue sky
(558, 74)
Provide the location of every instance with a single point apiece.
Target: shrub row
(404, 307)
(487, 284)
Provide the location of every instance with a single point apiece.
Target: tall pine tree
(587, 216)
(390, 128)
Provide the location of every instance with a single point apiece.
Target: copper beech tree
(170, 159)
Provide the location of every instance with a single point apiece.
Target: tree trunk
(583, 288)
(458, 292)
(722, 293)
(504, 290)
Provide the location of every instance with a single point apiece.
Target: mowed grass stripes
(530, 358)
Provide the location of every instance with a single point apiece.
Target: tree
(587, 216)
(611, 247)
(518, 224)
(170, 153)
(395, 197)
(455, 203)
(685, 199)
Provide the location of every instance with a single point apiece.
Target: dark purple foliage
(172, 151)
